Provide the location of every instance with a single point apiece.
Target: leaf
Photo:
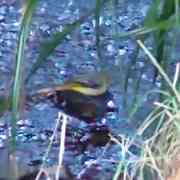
(23, 35)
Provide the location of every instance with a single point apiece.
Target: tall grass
(160, 150)
(156, 15)
(161, 20)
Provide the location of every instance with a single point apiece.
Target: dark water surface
(77, 54)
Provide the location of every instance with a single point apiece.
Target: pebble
(2, 18)
(43, 137)
(144, 76)
(35, 138)
(24, 122)
(121, 52)
(111, 49)
(8, 43)
(3, 136)
(2, 124)
(108, 22)
(45, 28)
(63, 72)
(2, 145)
(158, 84)
(3, 10)
(22, 138)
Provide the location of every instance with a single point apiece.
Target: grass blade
(23, 35)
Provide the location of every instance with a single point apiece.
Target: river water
(76, 54)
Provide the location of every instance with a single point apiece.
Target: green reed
(28, 9)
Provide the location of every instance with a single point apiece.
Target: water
(76, 54)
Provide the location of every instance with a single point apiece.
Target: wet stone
(8, 43)
(24, 122)
(45, 28)
(108, 22)
(2, 18)
(42, 137)
(2, 129)
(111, 49)
(2, 144)
(144, 76)
(3, 10)
(36, 138)
(3, 136)
(63, 73)
(158, 84)
(21, 138)
(22, 128)
(3, 124)
(10, 36)
(12, 27)
(121, 52)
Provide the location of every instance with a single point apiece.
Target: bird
(84, 96)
